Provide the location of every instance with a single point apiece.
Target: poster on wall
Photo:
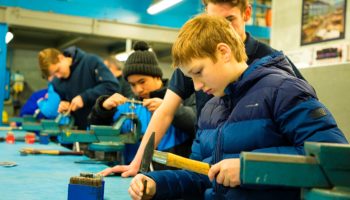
(322, 20)
(330, 54)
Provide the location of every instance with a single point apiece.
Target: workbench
(47, 176)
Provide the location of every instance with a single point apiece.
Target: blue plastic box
(85, 192)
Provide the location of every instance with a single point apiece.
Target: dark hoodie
(89, 78)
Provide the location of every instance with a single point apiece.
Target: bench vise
(51, 127)
(107, 138)
(324, 173)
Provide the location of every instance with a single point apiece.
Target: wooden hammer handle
(188, 164)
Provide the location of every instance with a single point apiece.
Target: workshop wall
(26, 62)
(331, 81)
(286, 26)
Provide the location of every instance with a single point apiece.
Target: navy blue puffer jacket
(267, 110)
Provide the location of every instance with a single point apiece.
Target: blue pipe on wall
(3, 50)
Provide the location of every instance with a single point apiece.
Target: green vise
(324, 173)
(58, 125)
(48, 126)
(29, 122)
(106, 138)
(25, 118)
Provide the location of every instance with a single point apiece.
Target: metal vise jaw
(324, 173)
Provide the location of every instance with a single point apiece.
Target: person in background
(80, 78)
(116, 68)
(260, 108)
(237, 12)
(144, 75)
(42, 104)
(31, 105)
(48, 105)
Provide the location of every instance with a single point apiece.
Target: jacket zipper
(217, 153)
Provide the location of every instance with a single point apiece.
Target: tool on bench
(8, 164)
(9, 128)
(26, 151)
(134, 101)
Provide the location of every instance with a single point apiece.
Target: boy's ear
(60, 57)
(247, 13)
(224, 51)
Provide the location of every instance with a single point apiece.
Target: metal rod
(134, 101)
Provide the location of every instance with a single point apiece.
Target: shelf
(257, 27)
(258, 5)
(259, 32)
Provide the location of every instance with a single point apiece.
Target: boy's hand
(13, 124)
(63, 107)
(152, 104)
(136, 189)
(126, 170)
(76, 103)
(226, 172)
(40, 99)
(113, 101)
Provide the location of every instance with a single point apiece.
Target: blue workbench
(47, 176)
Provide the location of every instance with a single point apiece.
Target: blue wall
(3, 50)
(127, 11)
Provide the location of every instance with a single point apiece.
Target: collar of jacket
(76, 54)
(160, 93)
(275, 59)
(250, 44)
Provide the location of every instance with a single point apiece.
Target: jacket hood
(275, 63)
(76, 54)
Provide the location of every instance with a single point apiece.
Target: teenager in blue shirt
(260, 108)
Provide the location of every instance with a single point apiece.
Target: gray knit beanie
(142, 62)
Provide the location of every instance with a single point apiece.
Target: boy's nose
(138, 89)
(198, 85)
(58, 75)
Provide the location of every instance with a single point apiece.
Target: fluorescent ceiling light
(160, 5)
(123, 56)
(8, 37)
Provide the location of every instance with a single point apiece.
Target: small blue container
(44, 139)
(85, 192)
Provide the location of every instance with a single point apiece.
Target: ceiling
(59, 32)
(129, 12)
(37, 39)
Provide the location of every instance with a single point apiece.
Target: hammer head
(147, 155)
